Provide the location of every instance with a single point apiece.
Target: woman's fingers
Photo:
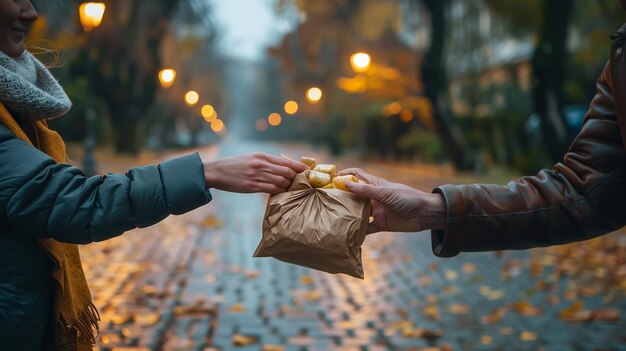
(271, 178)
(270, 188)
(287, 162)
(282, 171)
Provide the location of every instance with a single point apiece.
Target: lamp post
(361, 63)
(91, 14)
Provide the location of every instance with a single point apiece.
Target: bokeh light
(393, 108)
(360, 62)
(91, 14)
(208, 112)
(261, 125)
(167, 77)
(314, 95)
(291, 107)
(217, 125)
(192, 98)
(274, 119)
(406, 116)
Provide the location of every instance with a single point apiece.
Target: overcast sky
(247, 27)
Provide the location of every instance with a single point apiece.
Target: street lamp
(91, 14)
(167, 77)
(314, 95)
(360, 62)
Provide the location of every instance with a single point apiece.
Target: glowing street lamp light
(274, 119)
(167, 77)
(314, 95)
(360, 62)
(208, 112)
(261, 125)
(91, 14)
(192, 98)
(291, 107)
(217, 125)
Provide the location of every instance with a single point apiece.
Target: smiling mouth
(18, 33)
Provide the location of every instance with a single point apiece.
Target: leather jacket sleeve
(580, 198)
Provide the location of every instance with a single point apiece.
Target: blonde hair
(39, 50)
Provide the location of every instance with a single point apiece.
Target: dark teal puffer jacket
(42, 199)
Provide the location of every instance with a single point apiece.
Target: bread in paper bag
(321, 229)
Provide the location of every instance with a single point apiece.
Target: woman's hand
(397, 207)
(252, 173)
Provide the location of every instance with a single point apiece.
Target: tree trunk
(434, 77)
(125, 74)
(549, 73)
(126, 137)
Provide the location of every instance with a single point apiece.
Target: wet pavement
(191, 283)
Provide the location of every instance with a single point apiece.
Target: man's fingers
(366, 190)
(359, 173)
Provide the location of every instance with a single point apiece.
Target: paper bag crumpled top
(321, 229)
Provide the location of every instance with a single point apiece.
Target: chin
(16, 51)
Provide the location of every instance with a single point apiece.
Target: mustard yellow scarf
(75, 315)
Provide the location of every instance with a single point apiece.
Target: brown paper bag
(321, 229)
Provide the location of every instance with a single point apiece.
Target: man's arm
(578, 199)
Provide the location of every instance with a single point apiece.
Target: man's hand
(397, 207)
(252, 173)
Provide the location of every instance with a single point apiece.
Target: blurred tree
(592, 23)
(123, 56)
(128, 60)
(436, 86)
(571, 49)
(551, 20)
(549, 62)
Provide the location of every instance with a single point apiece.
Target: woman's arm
(41, 198)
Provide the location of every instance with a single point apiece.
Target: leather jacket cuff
(449, 242)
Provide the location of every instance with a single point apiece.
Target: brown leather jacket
(581, 197)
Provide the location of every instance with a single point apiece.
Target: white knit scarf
(28, 89)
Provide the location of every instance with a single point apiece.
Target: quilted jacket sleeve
(41, 198)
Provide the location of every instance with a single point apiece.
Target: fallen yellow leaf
(458, 308)
(244, 340)
(236, 308)
(527, 336)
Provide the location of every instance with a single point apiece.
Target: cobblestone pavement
(190, 283)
